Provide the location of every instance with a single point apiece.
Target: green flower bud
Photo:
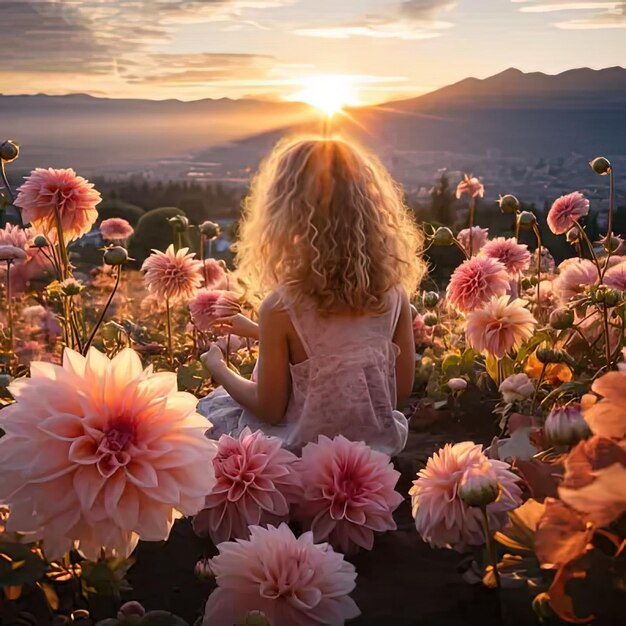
(40, 241)
(256, 618)
(601, 165)
(561, 318)
(210, 230)
(9, 151)
(430, 319)
(179, 222)
(443, 237)
(431, 299)
(71, 287)
(526, 220)
(526, 283)
(611, 244)
(546, 356)
(509, 204)
(478, 488)
(612, 297)
(115, 255)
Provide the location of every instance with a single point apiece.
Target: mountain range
(514, 113)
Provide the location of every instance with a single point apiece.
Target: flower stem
(459, 245)
(103, 313)
(472, 208)
(5, 182)
(609, 232)
(539, 381)
(491, 552)
(10, 308)
(170, 349)
(590, 246)
(539, 244)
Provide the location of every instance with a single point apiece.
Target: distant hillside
(106, 134)
(528, 115)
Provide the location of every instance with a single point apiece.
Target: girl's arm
(266, 398)
(405, 363)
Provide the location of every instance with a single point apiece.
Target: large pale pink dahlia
(209, 306)
(102, 453)
(471, 186)
(566, 210)
(291, 580)
(501, 325)
(574, 276)
(172, 275)
(47, 191)
(513, 255)
(116, 229)
(475, 281)
(479, 238)
(256, 483)
(615, 277)
(215, 276)
(348, 492)
(441, 517)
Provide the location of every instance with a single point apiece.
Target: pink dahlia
(348, 492)
(101, 453)
(574, 276)
(33, 266)
(209, 306)
(422, 334)
(441, 517)
(565, 426)
(566, 210)
(47, 191)
(291, 580)
(514, 256)
(471, 186)
(500, 326)
(256, 482)
(116, 229)
(215, 276)
(172, 275)
(479, 237)
(615, 277)
(475, 281)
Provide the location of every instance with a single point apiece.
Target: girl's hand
(239, 325)
(213, 360)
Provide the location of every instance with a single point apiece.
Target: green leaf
(519, 535)
(19, 565)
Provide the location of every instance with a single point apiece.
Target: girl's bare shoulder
(273, 309)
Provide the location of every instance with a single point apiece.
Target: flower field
(508, 504)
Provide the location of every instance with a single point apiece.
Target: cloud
(412, 19)
(101, 36)
(198, 69)
(598, 14)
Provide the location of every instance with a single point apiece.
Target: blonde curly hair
(324, 219)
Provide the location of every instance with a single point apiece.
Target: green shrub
(153, 231)
(118, 208)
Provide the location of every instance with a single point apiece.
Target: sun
(329, 94)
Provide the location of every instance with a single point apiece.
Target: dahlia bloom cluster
(566, 212)
(479, 237)
(476, 281)
(48, 191)
(441, 517)
(513, 255)
(292, 580)
(574, 275)
(348, 493)
(116, 229)
(255, 484)
(100, 453)
(173, 275)
(33, 263)
(208, 307)
(501, 325)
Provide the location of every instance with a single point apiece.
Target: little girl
(327, 235)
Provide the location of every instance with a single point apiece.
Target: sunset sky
(191, 49)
